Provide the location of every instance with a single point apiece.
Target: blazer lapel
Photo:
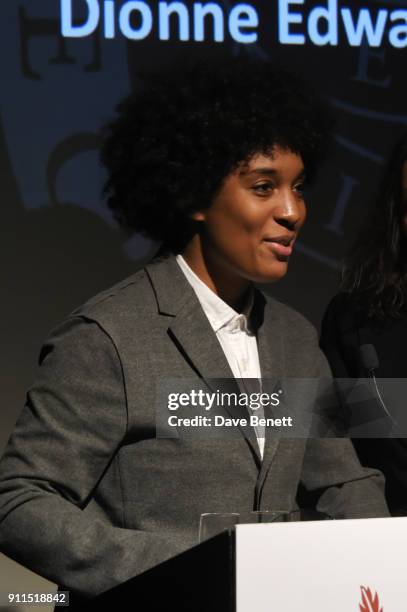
(270, 344)
(191, 331)
(195, 336)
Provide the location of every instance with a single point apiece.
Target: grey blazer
(89, 497)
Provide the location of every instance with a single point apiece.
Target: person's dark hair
(375, 272)
(180, 133)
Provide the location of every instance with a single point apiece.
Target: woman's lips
(283, 250)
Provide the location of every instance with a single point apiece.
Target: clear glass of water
(213, 523)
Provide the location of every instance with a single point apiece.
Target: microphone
(370, 363)
(369, 358)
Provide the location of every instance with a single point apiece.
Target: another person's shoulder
(341, 312)
(341, 302)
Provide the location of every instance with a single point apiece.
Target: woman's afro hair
(179, 134)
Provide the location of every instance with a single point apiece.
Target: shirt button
(235, 326)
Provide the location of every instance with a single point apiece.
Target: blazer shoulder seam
(91, 319)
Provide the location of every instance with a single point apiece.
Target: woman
(372, 310)
(212, 163)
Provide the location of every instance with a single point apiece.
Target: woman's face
(251, 227)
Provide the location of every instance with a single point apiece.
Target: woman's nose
(290, 211)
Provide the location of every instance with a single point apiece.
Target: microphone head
(368, 357)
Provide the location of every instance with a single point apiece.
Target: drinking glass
(212, 523)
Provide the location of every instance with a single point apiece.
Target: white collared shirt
(239, 344)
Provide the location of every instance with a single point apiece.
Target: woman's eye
(263, 188)
(300, 188)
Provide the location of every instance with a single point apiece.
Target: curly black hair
(178, 135)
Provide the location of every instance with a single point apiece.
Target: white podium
(312, 566)
(322, 566)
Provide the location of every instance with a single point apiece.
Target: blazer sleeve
(345, 489)
(332, 471)
(72, 424)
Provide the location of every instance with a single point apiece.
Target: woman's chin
(272, 273)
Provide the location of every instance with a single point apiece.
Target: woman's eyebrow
(266, 171)
(270, 172)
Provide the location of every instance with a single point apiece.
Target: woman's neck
(230, 287)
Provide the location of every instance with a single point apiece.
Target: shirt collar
(218, 312)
